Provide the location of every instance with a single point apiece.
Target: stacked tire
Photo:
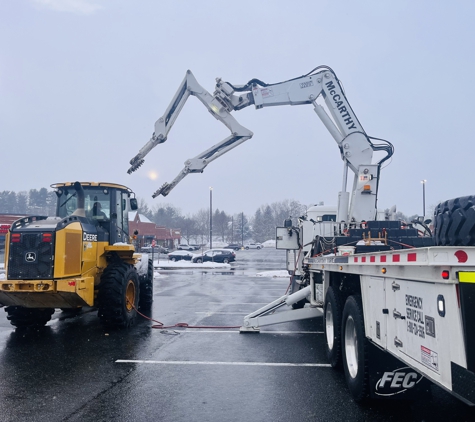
(454, 222)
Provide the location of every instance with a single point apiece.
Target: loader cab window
(67, 202)
(96, 203)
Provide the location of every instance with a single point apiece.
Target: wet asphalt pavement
(74, 370)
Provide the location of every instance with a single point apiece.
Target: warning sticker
(430, 358)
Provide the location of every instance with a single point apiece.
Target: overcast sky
(82, 83)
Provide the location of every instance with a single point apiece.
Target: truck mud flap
(463, 383)
(390, 378)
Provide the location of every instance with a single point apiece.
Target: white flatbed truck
(397, 299)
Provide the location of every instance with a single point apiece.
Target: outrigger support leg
(267, 315)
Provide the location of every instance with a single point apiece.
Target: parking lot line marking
(238, 303)
(221, 313)
(191, 362)
(261, 332)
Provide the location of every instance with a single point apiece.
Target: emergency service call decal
(415, 315)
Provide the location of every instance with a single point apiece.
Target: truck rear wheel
(454, 222)
(332, 326)
(20, 316)
(118, 295)
(146, 288)
(355, 348)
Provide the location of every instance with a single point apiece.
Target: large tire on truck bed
(20, 316)
(332, 311)
(454, 222)
(146, 288)
(118, 296)
(355, 348)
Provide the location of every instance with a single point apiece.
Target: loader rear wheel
(28, 317)
(332, 325)
(355, 348)
(146, 288)
(454, 222)
(118, 295)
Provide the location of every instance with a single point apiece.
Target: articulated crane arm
(190, 86)
(356, 147)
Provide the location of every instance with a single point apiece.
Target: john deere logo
(30, 257)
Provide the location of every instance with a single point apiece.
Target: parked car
(233, 246)
(180, 255)
(254, 246)
(186, 247)
(157, 249)
(215, 255)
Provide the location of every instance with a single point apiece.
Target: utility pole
(242, 229)
(210, 217)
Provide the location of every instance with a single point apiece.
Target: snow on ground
(165, 264)
(170, 265)
(275, 274)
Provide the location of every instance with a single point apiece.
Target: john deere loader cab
(105, 206)
(80, 257)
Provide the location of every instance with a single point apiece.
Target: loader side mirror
(133, 204)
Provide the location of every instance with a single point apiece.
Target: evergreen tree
(220, 224)
(258, 227)
(242, 230)
(22, 202)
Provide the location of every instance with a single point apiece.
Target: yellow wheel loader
(82, 257)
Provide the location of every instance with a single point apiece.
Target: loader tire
(20, 316)
(146, 289)
(332, 313)
(454, 222)
(355, 349)
(118, 296)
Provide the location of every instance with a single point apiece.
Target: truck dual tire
(355, 348)
(454, 222)
(20, 316)
(118, 296)
(332, 312)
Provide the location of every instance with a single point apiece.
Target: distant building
(149, 231)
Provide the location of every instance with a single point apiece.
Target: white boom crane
(356, 147)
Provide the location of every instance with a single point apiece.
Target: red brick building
(149, 231)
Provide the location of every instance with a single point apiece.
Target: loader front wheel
(146, 288)
(20, 316)
(118, 296)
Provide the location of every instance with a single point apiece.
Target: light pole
(242, 229)
(210, 217)
(423, 198)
